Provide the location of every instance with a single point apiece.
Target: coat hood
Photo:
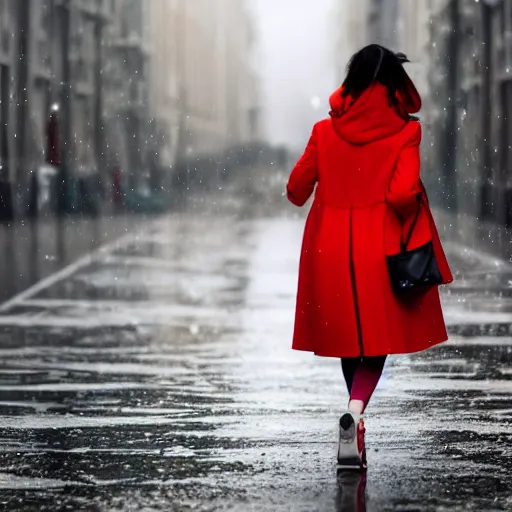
(371, 117)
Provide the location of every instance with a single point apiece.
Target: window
(46, 16)
(5, 30)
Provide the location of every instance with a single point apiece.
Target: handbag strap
(405, 243)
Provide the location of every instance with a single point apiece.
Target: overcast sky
(296, 65)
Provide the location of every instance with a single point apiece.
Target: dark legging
(362, 376)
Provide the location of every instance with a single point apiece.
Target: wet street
(157, 375)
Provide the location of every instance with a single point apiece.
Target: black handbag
(415, 269)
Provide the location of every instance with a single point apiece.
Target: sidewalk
(35, 249)
(479, 302)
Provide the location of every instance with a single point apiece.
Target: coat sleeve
(304, 176)
(405, 184)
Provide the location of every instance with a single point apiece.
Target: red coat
(365, 164)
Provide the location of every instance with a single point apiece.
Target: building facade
(52, 54)
(9, 113)
(129, 88)
(242, 85)
(471, 76)
(383, 18)
(130, 143)
(204, 88)
(351, 32)
(362, 22)
(163, 93)
(413, 39)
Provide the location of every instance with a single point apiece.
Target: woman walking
(360, 296)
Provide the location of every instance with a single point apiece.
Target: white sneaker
(349, 456)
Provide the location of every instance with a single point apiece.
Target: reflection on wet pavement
(159, 377)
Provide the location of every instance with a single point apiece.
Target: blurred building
(471, 84)
(242, 93)
(52, 55)
(413, 39)
(78, 65)
(128, 132)
(198, 67)
(209, 100)
(9, 115)
(383, 22)
(352, 32)
(131, 86)
(163, 82)
(361, 22)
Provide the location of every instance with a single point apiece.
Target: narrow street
(157, 375)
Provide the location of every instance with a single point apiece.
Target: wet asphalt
(157, 375)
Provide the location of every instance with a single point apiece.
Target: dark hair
(374, 63)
